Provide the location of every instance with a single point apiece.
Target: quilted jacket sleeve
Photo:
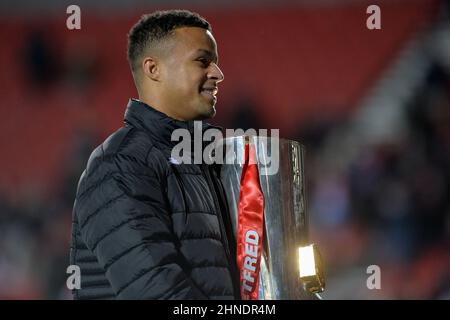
(124, 220)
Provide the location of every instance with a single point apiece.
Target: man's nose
(216, 73)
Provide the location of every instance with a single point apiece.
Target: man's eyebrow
(208, 53)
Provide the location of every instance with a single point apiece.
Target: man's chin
(213, 112)
(208, 113)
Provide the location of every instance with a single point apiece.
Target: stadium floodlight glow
(310, 268)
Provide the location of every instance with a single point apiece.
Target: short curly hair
(151, 28)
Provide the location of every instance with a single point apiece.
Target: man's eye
(203, 61)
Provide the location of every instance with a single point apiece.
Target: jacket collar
(157, 124)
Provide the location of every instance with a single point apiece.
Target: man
(145, 226)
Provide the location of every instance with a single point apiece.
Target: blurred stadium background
(371, 106)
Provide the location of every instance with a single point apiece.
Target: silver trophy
(286, 248)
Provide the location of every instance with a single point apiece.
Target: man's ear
(151, 68)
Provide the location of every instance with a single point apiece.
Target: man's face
(190, 74)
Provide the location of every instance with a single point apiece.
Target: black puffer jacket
(146, 228)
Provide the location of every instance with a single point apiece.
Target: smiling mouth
(210, 92)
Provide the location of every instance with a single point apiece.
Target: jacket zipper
(207, 175)
(218, 211)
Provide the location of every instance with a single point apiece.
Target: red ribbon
(250, 226)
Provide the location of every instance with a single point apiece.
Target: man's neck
(157, 105)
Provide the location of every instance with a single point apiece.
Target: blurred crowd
(390, 206)
(35, 234)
